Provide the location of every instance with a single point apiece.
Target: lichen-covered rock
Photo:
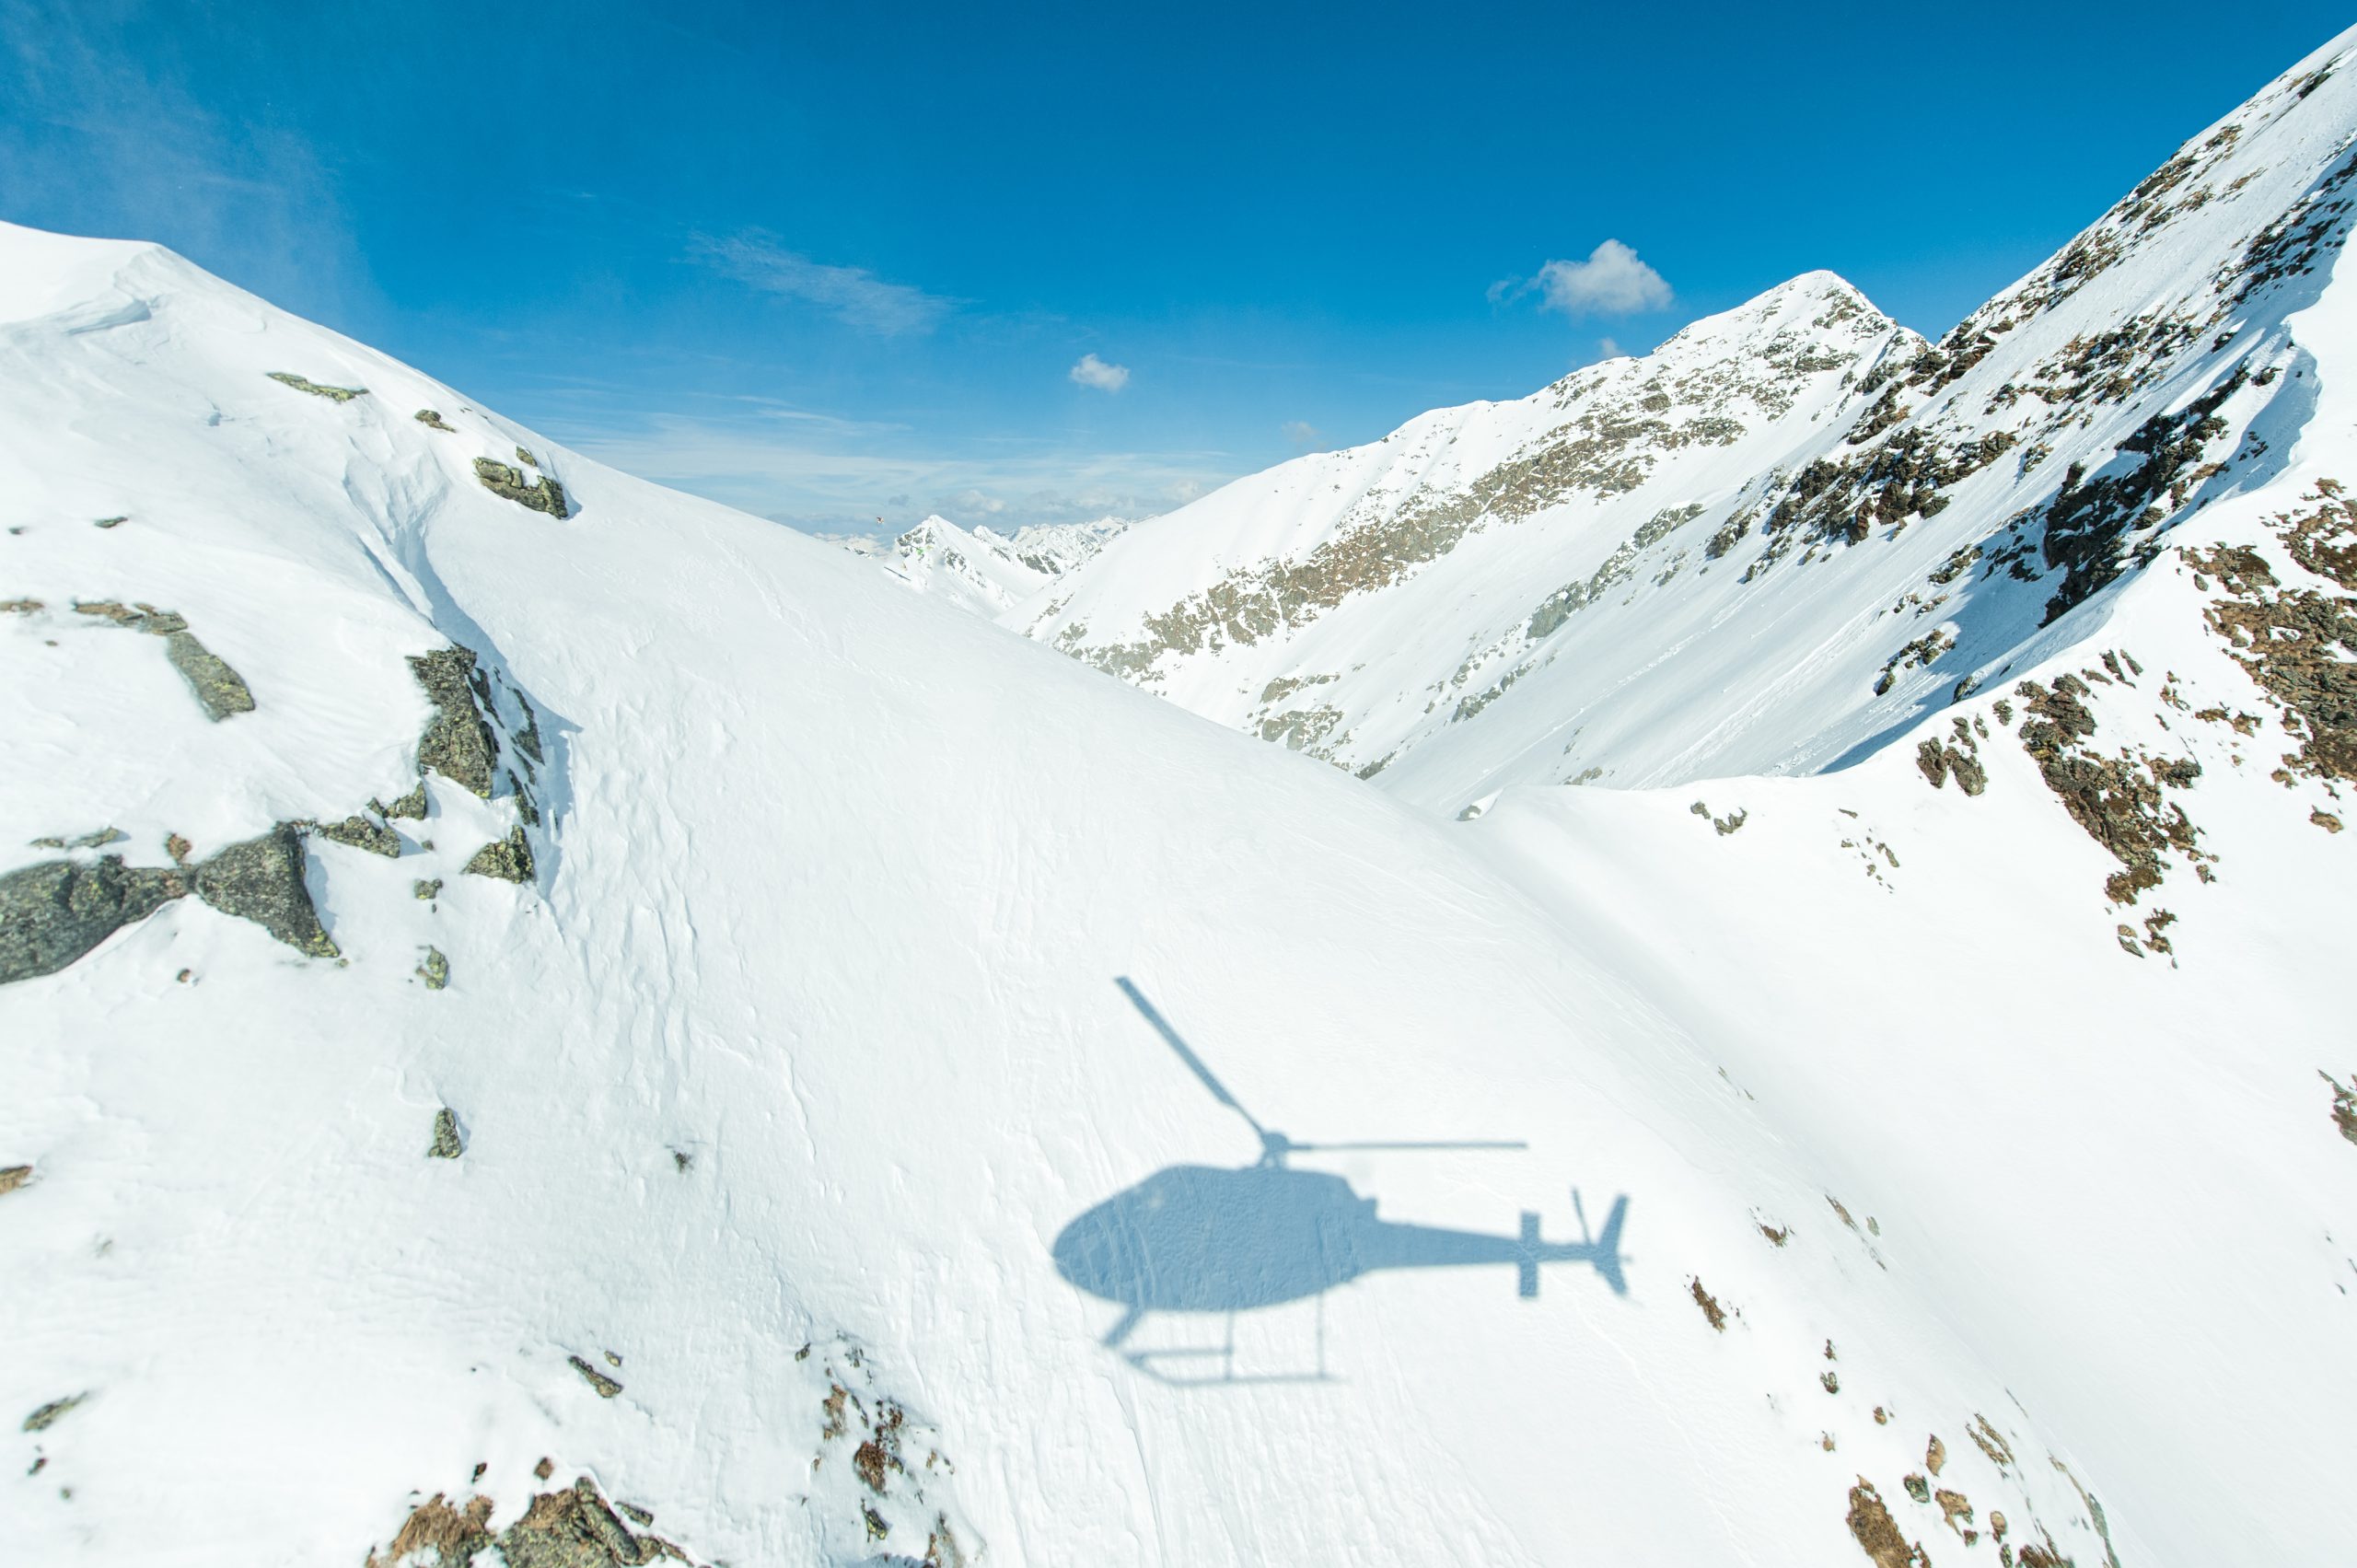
(509, 859)
(432, 420)
(262, 881)
(606, 1387)
(451, 1535)
(220, 690)
(434, 968)
(361, 833)
(52, 913)
(525, 807)
(457, 743)
(447, 1144)
(2344, 1104)
(575, 1529)
(303, 384)
(544, 495)
(13, 1176)
(426, 888)
(44, 1418)
(1877, 1532)
(409, 807)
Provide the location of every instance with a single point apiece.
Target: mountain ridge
(1906, 450)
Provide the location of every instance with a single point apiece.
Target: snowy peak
(1550, 590)
(981, 570)
(1280, 584)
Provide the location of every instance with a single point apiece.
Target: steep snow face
(1678, 600)
(616, 1035)
(983, 570)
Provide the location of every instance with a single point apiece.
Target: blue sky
(1048, 262)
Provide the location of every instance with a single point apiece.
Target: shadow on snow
(1212, 1239)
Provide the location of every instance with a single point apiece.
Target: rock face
(540, 494)
(304, 384)
(219, 690)
(52, 913)
(457, 743)
(508, 859)
(575, 1529)
(262, 881)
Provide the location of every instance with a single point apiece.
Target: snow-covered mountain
(979, 569)
(1787, 535)
(552, 1022)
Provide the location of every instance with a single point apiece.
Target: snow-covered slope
(979, 569)
(520, 985)
(1778, 540)
(717, 1091)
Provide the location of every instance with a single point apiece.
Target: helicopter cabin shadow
(1210, 1239)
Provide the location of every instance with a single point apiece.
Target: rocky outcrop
(52, 913)
(540, 494)
(262, 881)
(361, 833)
(219, 690)
(508, 859)
(457, 743)
(304, 384)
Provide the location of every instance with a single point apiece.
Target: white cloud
(1612, 282)
(853, 295)
(1094, 372)
(1301, 433)
(1608, 347)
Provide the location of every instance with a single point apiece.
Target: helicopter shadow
(1210, 1239)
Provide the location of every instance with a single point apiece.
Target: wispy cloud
(1303, 434)
(1613, 281)
(104, 135)
(852, 295)
(825, 475)
(1094, 372)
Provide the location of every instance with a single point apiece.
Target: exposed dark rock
(607, 1387)
(447, 1143)
(2296, 644)
(575, 1529)
(44, 1418)
(1877, 1533)
(544, 495)
(525, 808)
(452, 1535)
(509, 859)
(2089, 520)
(426, 888)
(529, 740)
(13, 1176)
(301, 384)
(432, 420)
(262, 881)
(2344, 1105)
(361, 833)
(2118, 800)
(434, 969)
(219, 690)
(457, 743)
(52, 913)
(409, 807)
